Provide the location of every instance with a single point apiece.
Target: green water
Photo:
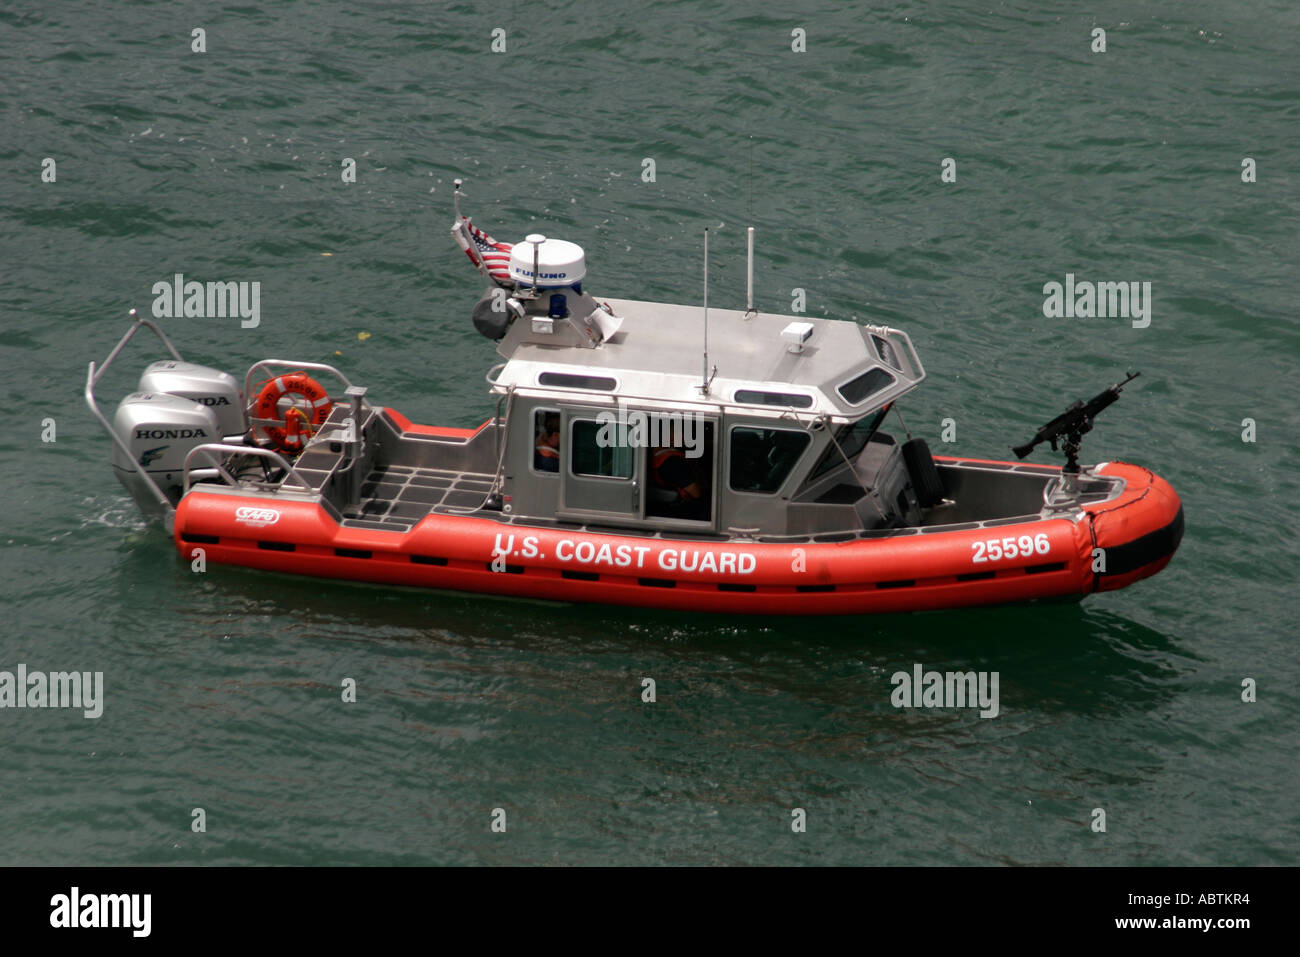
(223, 689)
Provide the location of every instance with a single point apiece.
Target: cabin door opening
(680, 468)
(599, 467)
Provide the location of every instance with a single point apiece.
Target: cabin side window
(857, 390)
(569, 380)
(596, 450)
(793, 400)
(885, 349)
(546, 441)
(851, 439)
(762, 459)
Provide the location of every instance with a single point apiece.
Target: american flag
(480, 247)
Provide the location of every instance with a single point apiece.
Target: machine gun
(1072, 424)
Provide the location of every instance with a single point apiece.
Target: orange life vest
(657, 463)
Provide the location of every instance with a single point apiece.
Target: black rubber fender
(925, 476)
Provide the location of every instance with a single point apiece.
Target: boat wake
(111, 511)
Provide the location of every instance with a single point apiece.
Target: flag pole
(463, 237)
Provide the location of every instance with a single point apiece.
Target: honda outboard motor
(160, 430)
(209, 387)
(176, 406)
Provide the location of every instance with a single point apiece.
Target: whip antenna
(704, 380)
(750, 312)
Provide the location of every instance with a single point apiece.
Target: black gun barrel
(1077, 419)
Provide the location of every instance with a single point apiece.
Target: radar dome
(559, 263)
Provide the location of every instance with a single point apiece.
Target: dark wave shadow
(1064, 657)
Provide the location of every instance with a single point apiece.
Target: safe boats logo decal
(257, 517)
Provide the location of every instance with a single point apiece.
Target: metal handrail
(888, 331)
(289, 364)
(710, 408)
(95, 372)
(704, 406)
(93, 376)
(139, 322)
(916, 359)
(212, 447)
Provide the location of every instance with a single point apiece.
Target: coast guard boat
(640, 453)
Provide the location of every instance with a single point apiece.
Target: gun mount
(1072, 424)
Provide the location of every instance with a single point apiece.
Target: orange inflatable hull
(1136, 534)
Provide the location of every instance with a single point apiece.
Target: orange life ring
(295, 433)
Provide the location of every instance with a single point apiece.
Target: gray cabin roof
(657, 354)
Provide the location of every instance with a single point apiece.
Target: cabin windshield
(762, 459)
(852, 438)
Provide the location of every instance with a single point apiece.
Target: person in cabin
(675, 484)
(546, 449)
